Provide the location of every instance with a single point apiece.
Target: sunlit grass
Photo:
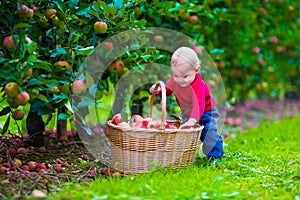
(262, 163)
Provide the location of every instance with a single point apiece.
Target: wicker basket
(137, 150)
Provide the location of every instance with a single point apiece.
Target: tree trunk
(35, 127)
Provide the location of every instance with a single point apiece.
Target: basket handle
(163, 103)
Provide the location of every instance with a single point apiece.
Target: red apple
(69, 133)
(226, 134)
(237, 122)
(23, 10)
(78, 87)
(92, 172)
(108, 45)
(154, 124)
(273, 39)
(197, 49)
(40, 167)
(9, 43)
(137, 125)
(117, 119)
(229, 121)
(22, 98)
(25, 168)
(146, 121)
(11, 89)
(18, 114)
(193, 19)
(100, 27)
(261, 61)
(62, 65)
(58, 168)
(171, 126)
(256, 50)
(116, 66)
(53, 89)
(136, 118)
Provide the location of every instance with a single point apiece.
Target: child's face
(184, 74)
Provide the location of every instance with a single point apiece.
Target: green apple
(100, 27)
(11, 89)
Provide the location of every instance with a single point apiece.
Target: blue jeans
(212, 141)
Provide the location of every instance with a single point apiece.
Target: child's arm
(190, 123)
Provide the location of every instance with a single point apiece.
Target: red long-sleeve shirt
(193, 100)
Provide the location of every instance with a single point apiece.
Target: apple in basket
(146, 121)
(154, 124)
(137, 124)
(136, 118)
(117, 119)
(171, 126)
(124, 125)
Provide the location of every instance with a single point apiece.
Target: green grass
(261, 163)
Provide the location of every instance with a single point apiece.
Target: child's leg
(212, 141)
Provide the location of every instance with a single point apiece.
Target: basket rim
(197, 128)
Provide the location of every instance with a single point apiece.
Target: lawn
(260, 163)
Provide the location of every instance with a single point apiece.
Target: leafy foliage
(254, 44)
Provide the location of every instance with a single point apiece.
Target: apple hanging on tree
(11, 89)
(78, 87)
(100, 27)
(22, 98)
(18, 114)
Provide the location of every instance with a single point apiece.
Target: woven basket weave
(137, 150)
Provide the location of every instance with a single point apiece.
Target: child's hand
(189, 124)
(154, 91)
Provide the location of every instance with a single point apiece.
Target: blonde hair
(183, 55)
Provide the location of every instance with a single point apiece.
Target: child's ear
(198, 69)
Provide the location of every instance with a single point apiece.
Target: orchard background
(255, 45)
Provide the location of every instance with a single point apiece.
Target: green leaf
(58, 51)
(43, 65)
(60, 96)
(5, 111)
(94, 13)
(73, 3)
(31, 47)
(60, 5)
(96, 5)
(87, 103)
(118, 4)
(68, 106)
(3, 60)
(6, 125)
(42, 97)
(61, 16)
(22, 26)
(84, 51)
(63, 116)
(84, 10)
